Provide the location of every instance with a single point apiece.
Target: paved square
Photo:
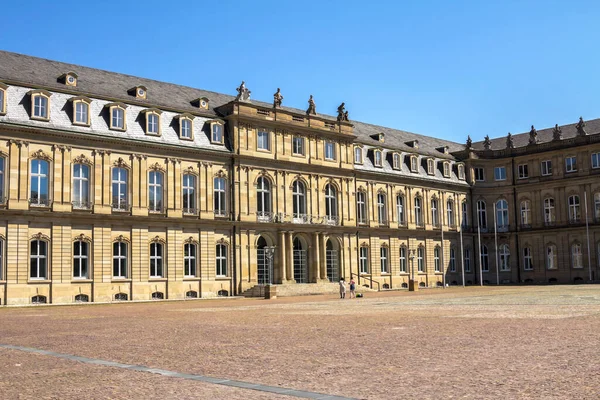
(508, 342)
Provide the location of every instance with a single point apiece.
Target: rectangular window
(329, 151)
(452, 260)
(118, 118)
(81, 187)
(81, 113)
(467, 260)
(546, 167)
(571, 164)
(461, 172)
(156, 260)
(40, 107)
(298, 146)
(119, 189)
(500, 173)
(217, 134)
(152, 124)
(523, 171)
(364, 261)
(358, 155)
(361, 208)
(120, 260)
(396, 161)
(189, 194)
(2, 260)
(595, 158)
(421, 259)
(186, 128)
(80, 259)
(479, 174)
(189, 260)
(155, 191)
(447, 170)
(400, 209)
(219, 196)
(221, 260)
(2, 103)
(402, 259)
(430, 167)
(527, 259)
(39, 193)
(263, 142)
(38, 259)
(378, 158)
(383, 256)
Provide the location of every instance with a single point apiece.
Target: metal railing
(38, 202)
(81, 205)
(121, 206)
(371, 281)
(190, 211)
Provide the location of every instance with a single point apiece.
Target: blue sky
(442, 68)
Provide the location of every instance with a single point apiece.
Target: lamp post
(411, 283)
(270, 291)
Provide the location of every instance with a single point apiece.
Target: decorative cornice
(120, 162)
(223, 242)
(83, 238)
(81, 159)
(18, 143)
(190, 240)
(40, 154)
(158, 239)
(121, 238)
(156, 167)
(40, 236)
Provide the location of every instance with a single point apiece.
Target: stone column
(290, 257)
(316, 258)
(323, 248)
(282, 256)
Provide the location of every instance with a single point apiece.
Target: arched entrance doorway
(300, 267)
(332, 258)
(264, 262)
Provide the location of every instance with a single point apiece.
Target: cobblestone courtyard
(480, 343)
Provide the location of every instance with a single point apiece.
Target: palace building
(118, 188)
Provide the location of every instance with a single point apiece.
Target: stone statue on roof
(556, 133)
(243, 93)
(342, 113)
(510, 143)
(487, 143)
(533, 139)
(469, 142)
(581, 127)
(277, 99)
(312, 108)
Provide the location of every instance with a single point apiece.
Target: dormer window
(186, 126)
(69, 79)
(414, 166)
(3, 88)
(117, 116)
(40, 102)
(396, 161)
(378, 158)
(140, 92)
(430, 166)
(216, 129)
(81, 110)
(461, 172)
(202, 103)
(358, 155)
(413, 143)
(446, 167)
(153, 122)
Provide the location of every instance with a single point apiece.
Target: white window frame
(435, 220)
(467, 260)
(549, 214)
(595, 160)
(479, 173)
(499, 173)
(358, 155)
(156, 196)
(263, 191)
(525, 212)
(220, 195)
(383, 260)
(190, 266)
(502, 214)
(400, 203)
(217, 135)
(2, 98)
(361, 207)
(43, 182)
(263, 140)
(482, 214)
(156, 260)
(571, 164)
(523, 170)
(546, 167)
(40, 106)
(461, 172)
(298, 146)
(436, 259)
(81, 195)
(299, 201)
(331, 209)
(446, 169)
(40, 258)
(421, 259)
(484, 258)
(414, 164)
(452, 261)
(430, 166)
(577, 255)
(504, 257)
(551, 257)
(152, 123)
(527, 259)
(418, 209)
(450, 212)
(396, 161)
(378, 157)
(118, 117)
(329, 150)
(186, 128)
(122, 184)
(80, 258)
(381, 208)
(81, 112)
(574, 208)
(188, 199)
(120, 257)
(221, 260)
(364, 259)
(403, 268)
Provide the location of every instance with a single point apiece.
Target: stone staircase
(303, 289)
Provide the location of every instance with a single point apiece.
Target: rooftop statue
(342, 113)
(581, 127)
(533, 139)
(277, 99)
(469, 142)
(312, 108)
(510, 143)
(487, 143)
(556, 133)
(243, 93)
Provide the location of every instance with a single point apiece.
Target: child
(352, 288)
(342, 288)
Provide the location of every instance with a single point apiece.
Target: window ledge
(298, 155)
(222, 278)
(82, 280)
(191, 278)
(45, 119)
(120, 280)
(33, 280)
(157, 279)
(186, 138)
(117, 129)
(82, 124)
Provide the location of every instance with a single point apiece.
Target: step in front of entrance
(302, 289)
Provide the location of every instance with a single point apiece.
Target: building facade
(116, 188)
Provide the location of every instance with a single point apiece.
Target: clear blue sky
(442, 68)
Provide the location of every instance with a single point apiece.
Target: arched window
(504, 258)
(434, 212)
(381, 209)
(156, 260)
(220, 198)
(574, 212)
(81, 187)
(39, 195)
(120, 260)
(299, 201)
(361, 207)
(577, 255)
(364, 260)
(81, 259)
(403, 259)
(400, 209)
(189, 259)
(221, 259)
(596, 206)
(331, 213)
(263, 206)
(189, 194)
(155, 191)
(527, 259)
(418, 215)
(383, 258)
(120, 189)
(502, 214)
(485, 261)
(551, 257)
(436, 259)
(549, 215)
(421, 259)
(450, 212)
(38, 259)
(452, 262)
(482, 214)
(525, 213)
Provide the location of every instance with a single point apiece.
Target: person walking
(352, 288)
(342, 288)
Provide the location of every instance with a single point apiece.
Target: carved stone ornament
(121, 238)
(82, 238)
(220, 174)
(40, 236)
(364, 244)
(312, 107)
(277, 99)
(120, 162)
(581, 127)
(533, 139)
(40, 154)
(157, 239)
(469, 142)
(556, 133)
(156, 167)
(342, 113)
(243, 93)
(510, 143)
(223, 241)
(82, 159)
(487, 143)
(190, 240)
(18, 143)
(190, 170)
